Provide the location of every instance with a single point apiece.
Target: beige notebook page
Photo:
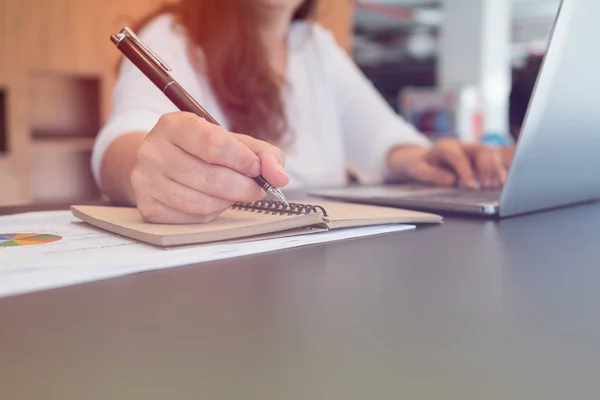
(231, 224)
(343, 215)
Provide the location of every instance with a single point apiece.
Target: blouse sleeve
(137, 103)
(370, 126)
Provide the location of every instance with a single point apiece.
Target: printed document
(70, 252)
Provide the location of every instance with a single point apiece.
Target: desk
(472, 309)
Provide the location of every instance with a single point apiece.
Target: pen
(158, 72)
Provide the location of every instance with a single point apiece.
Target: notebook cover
(344, 215)
(249, 221)
(231, 224)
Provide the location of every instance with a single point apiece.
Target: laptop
(557, 156)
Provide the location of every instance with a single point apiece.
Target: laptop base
(419, 197)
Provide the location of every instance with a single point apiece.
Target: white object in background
(475, 50)
(421, 45)
(469, 115)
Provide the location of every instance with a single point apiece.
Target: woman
(293, 106)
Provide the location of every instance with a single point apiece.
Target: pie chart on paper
(26, 239)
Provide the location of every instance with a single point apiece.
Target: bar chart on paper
(26, 239)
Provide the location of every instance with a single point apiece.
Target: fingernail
(281, 170)
(255, 169)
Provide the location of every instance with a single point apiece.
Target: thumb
(272, 160)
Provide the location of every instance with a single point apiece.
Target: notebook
(248, 221)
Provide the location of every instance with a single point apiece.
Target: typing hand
(190, 171)
(450, 162)
(474, 165)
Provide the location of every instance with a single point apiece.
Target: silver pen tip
(277, 193)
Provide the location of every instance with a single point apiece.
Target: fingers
(432, 174)
(156, 212)
(451, 153)
(218, 181)
(189, 170)
(208, 142)
(164, 200)
(489, 166)
(507, 154)
(271, 158)
(215, 145)
(213, 180)
(475, 165)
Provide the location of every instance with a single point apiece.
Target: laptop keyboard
(462, 196)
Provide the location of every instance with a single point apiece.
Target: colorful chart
(26, 239)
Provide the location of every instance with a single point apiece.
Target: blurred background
(461, 68)
(450, 66)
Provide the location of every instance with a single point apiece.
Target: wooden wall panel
(14, 165)
(53, 36)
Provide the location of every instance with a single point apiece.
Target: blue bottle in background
(495, 139)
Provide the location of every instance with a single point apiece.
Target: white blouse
(338, 121)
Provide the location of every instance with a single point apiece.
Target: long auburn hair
(235, 60)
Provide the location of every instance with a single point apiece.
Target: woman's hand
(450, 162)
(190, 171)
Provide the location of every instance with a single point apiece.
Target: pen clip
(137, 42)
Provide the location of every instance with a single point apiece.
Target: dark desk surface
(469, 310)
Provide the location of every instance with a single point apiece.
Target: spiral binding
(278, 207)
